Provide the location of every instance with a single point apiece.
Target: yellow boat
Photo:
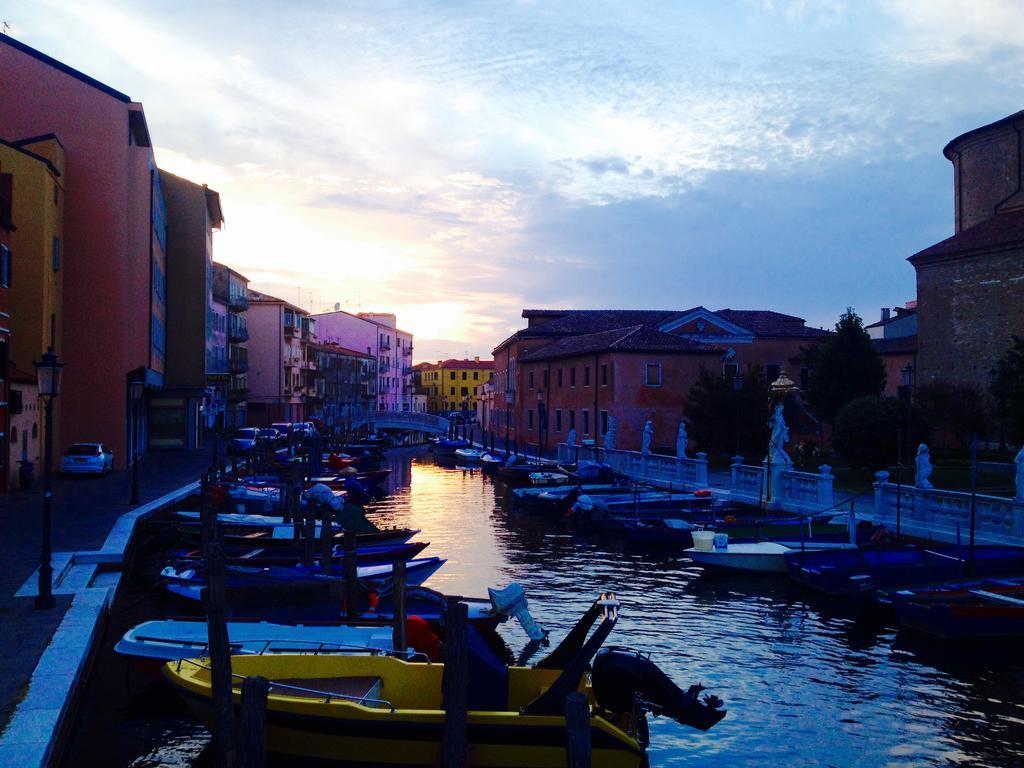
(381, 710)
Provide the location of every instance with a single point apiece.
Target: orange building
(575, 369)
(113, 328)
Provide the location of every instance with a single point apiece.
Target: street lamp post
(48, 371)
(135, 389)
(778, 391)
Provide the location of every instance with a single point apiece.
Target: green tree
(722, 418)
(867, 430)
(843, 367)
(1007, 390)
(958, 410)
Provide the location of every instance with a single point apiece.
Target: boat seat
(357, 688)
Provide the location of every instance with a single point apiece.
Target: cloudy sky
(454, 162)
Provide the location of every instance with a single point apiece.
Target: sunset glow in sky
(454, 162)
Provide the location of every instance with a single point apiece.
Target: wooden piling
(220, 657)
(454, 686)
(308, 537)
(252, 728)
(351, 576)
(577, 727)
(326, 538)
(399, 642)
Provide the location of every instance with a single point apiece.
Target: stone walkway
(84, 511)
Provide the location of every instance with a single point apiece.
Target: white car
(87, 458)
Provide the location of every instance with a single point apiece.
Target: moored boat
(359, 707)
(963, 610)
(857, 573)
(757, 556)
(469, 455)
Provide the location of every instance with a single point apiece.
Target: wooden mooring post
(308, 536)
(454, 686)
(351, 576)
(215, 603)
(326, 538)
(577, 727)
(252, 728)
(399, 642)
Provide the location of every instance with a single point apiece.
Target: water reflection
(807, 682)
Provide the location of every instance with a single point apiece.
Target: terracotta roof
(425, 367)
(898, 345)
(1002, 231)
(468, 364)
(636, 338)
(594, 320)
(763, 322)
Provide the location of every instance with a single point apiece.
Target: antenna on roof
(337, 306)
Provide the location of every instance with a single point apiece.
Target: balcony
(237, 331)
(239, 302)
(385, 345)
(291, 330)
(239, 366)
(407, 351)
(292, 362)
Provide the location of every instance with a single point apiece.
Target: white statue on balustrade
(1018, 463)
(923, 467)
(780, 436)
(609, 436)
(681, 440)
(645, 446)
(571, 439)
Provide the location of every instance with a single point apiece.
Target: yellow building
(37, 251)
(450, 385)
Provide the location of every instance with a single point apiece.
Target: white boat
(756, 557)
(162, 641)
(548, 478)
(469, 454)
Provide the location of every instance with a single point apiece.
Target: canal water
(806, 683)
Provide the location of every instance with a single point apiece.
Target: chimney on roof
(885, 314)
(476, 359)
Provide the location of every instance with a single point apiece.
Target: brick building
(970, 287)
(580, 367)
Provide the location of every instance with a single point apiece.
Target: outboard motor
(621, 677)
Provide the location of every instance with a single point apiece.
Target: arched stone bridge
(418, 422)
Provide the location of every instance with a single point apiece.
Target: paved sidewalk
(84, 511)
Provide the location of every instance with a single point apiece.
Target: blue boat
(860, 572)
(963, 610)
(447, 447)
(188, 580)
(369, 554)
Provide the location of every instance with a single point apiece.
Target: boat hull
(312, 727)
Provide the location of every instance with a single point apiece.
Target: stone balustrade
(675, 471)
(943, 515)
(789, 490)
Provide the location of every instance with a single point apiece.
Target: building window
(604, 422)
(530, 379)
(604, 374)
(772, 371)
(452, 376)
(572, 419)
(476, 375)
(5, 266)
(464, 375)
(586, 375)
(529, 419)
(586, 422)
(453, 391)
(559, 378)
(558, 419)
(572, 376)
(652, 375)
(14, 435)
(56, 194)
(546, 378)
(465, 391)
